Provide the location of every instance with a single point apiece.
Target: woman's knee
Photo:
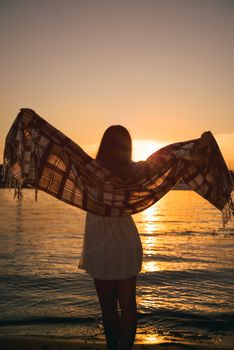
(128, 309)
(106, 291)
(127, 295)
(109, 307)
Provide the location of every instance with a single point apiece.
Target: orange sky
(164, 69)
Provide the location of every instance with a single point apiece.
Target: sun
(142, 149)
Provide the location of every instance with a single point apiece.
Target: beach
(38, 343)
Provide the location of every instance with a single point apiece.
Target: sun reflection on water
(149, 216)
(149, 339)
(150, 240)
(151, 266)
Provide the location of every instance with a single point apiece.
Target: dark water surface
(185, 290)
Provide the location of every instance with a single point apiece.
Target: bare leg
(107, 295)
(126, 290)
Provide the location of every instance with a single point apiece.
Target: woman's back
(112, 248)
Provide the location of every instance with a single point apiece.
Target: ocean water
(184, 292)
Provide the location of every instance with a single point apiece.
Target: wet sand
(36, 343)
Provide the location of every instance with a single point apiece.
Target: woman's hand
(199, 157)
(205, 139)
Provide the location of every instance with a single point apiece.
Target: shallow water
(185, 290)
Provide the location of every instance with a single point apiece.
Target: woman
(112, 250)
(41, 156)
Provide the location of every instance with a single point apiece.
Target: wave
(228, 232)
(174, 258)
(47, 320)
(175, 319)
(160, 318)
(183, 274)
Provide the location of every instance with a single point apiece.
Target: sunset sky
(164, 69)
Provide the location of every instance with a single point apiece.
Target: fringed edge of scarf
(13, 156)
(224, 184)
(10, 181)
(228, 211)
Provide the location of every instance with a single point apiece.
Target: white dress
(111, 247)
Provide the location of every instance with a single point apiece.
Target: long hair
(115, 150)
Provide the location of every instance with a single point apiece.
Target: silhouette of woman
(112, 250)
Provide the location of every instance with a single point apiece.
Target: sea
(185, 291)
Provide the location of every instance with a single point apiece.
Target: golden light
(151, 266)
(142, 149)
(91, 149)
(152, 339)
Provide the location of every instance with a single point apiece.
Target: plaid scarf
(38, 155)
